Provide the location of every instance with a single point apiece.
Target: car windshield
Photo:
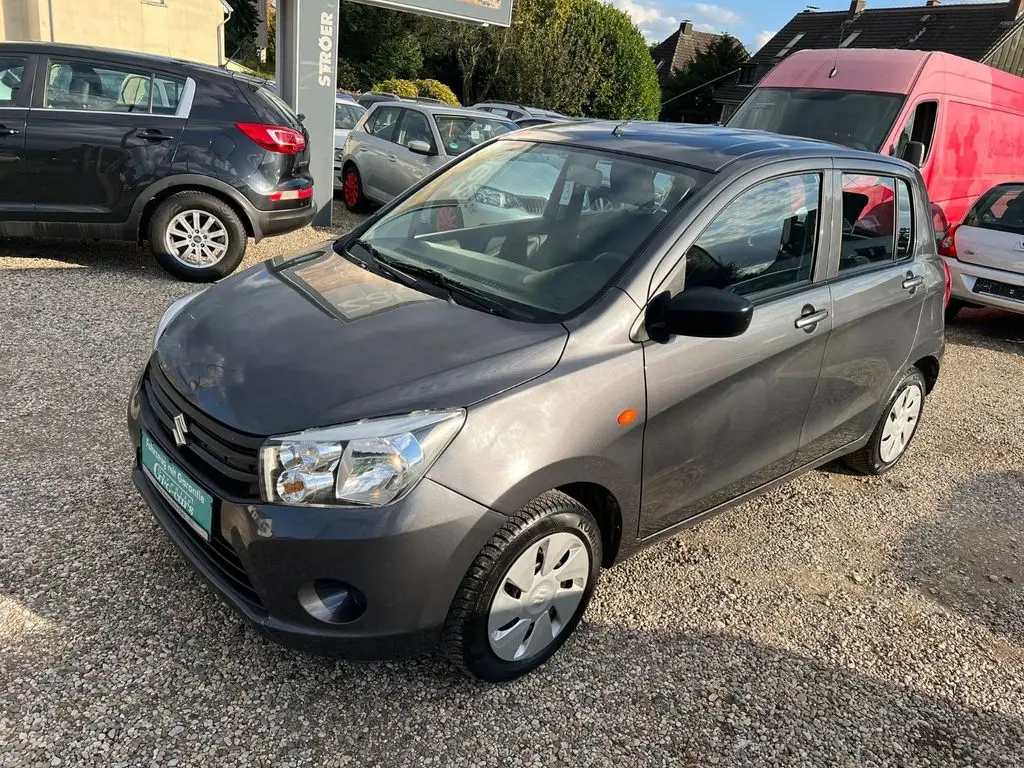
(541, 228)
(459, 133)
(346, 115)
(851, 118)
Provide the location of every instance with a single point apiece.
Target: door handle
(5, 131)
(913, 282)
(151, 134)
(810, 318)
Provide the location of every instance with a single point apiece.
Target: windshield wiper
(409, 272)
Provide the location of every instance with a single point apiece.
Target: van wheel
(352, 190)
(526, 591)
(895, 430)
(197, 237)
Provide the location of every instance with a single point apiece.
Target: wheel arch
(929, 368)
(157, 193)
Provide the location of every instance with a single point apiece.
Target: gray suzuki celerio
(565, 345)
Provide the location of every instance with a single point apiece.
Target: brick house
(990, 33)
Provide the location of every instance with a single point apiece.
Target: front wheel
(895, 430)
(526, 591)
(197, 237)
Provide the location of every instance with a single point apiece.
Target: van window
(920, 127)
(868, 231)
(853, 119)
(1000, 209)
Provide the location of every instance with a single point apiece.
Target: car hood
(317, 340)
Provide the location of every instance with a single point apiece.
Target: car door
(15, 96)
(878, 295)
(725, 415)
(97, 137)
(408, 166)
(374, 147)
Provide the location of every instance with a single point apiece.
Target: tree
(377, 44)
(240, 31)
(700, 78)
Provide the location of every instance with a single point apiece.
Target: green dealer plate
(189, 500)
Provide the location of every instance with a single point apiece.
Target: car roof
(444, 109)
(113, 54)
(707, 147)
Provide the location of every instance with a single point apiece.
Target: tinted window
(1001, 209)
(382, 122)
(494, 222)
(460, 133)
(11, 72)
(868, 231)
(272, 108)
(83, 86)
(347, 115)
(415, 128)
(764, 240)
(857, 120)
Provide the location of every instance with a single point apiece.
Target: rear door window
(869, 232)
(1000, 209)
(12, 72)
(167, 93)
(382, 123)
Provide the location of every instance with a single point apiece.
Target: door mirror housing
(707, 313)
(914, 153)
(421, 148)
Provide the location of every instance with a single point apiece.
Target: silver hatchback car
(420, 435)
(397, 143)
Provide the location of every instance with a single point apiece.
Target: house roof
(680, 48)
(967, 30)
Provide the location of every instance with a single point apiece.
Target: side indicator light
(628, 416)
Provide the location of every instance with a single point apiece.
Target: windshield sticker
(347, 291)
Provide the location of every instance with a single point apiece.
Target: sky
(754, 22)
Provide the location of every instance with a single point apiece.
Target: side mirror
(913, 153)
(708, 313)
(421, 148)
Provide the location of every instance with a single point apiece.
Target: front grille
(225, 459)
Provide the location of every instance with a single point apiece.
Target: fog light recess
(330, 601)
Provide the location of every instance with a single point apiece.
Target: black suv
(123, 146)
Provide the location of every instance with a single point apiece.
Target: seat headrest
(632, 184)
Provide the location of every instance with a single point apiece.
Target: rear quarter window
(270, 107)
(1000, 209)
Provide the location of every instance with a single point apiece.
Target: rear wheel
(895, 430)
(352, 190)
(197, 237)
(526, 591)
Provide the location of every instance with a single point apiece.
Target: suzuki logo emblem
(180, 430)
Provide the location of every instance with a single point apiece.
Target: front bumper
(407, 559)
(964, 276)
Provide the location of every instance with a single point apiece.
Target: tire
(876, 458)
(472, 633)
(953, 309)
(352, 190)
(202, 208)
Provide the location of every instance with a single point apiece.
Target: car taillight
(292, 194)
(949, 285)
(276, 138)
(948, 245)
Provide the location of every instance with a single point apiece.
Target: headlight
(368, 463)
(172, 312)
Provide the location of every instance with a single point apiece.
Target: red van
(961, 122)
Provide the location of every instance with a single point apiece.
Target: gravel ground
(837, 621)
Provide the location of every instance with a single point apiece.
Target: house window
(849, 39)
(789, 46)
(154, 2)
(747, 72)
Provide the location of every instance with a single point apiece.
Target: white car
(346, 115)
(985, 254)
